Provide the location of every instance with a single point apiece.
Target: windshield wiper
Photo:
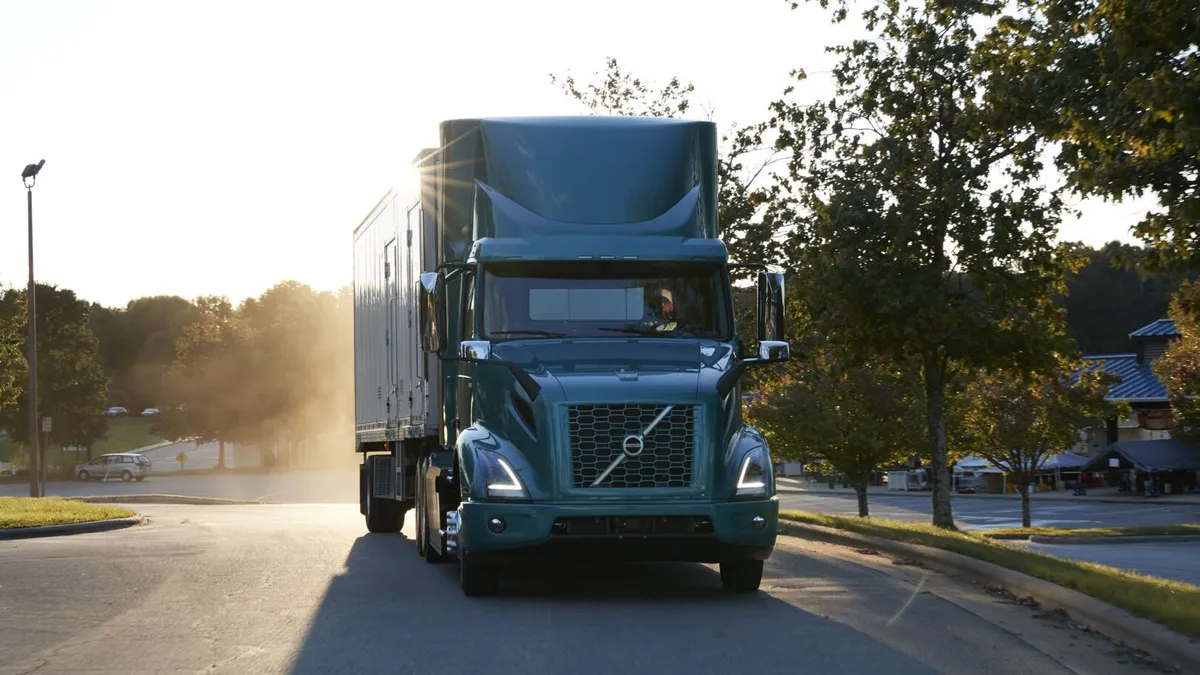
(646, 330)
(541, 333)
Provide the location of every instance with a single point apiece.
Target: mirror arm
(523, 378)
(730, 378)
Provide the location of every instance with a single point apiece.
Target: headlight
(753, 474)
(499, 479)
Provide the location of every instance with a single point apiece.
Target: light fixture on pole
(36, 460)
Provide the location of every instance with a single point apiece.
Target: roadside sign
(181, 458)
(47, 424)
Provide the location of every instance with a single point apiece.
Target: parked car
(116, 411)
(149, 412)
(124, 465)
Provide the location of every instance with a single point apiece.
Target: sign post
(47, 425)
(181, 458)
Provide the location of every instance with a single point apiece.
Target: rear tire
(126, 476)
(383, 515)
(741, 576)
(477, 579)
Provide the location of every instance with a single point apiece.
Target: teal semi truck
(546, 361)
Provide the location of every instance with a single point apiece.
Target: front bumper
(530, 532)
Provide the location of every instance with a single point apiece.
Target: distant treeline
(274, 370)
(1109, 298)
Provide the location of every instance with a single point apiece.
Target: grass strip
(36, 512)
(1170, 603)
(1061, 533)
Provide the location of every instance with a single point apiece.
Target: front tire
(741, 576)
(84, 476)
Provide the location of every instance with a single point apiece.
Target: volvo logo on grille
(633, 445)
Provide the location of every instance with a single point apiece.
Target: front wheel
(83, 475)
(741, 576)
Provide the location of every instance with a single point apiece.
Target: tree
(276, 372)
(1115, 82)
(204, 389)
(1016, 421)
(303, 339)
(754, 205)
(12, 361)
(71, 385)
(137, 345)
(856, 417)
(924, 223)
(1179, 368)
(1111, 296)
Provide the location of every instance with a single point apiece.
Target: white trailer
(395, 382)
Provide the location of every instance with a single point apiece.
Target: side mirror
(431, 289)
(773, 351)
(772, 310)
(475, 350)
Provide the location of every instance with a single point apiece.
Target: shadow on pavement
(390, 611)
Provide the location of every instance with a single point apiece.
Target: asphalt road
(978, 513)
(1178, 560)
(302, 589)
(340, 487)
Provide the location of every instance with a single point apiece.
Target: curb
(1114, 622)
(163, 499)
(1101, 539)
(70, 528)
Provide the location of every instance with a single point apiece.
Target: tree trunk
(935, 398)
(1023, 486)
(860, 489)
(220, 454)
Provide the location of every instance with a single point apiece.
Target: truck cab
(578, 320)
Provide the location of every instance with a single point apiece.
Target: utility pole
(36, 460)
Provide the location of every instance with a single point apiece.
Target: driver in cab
(662, 311)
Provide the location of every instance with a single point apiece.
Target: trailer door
(390, 333)
(414, 357)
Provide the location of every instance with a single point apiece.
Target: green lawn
(124, 434)
(1170, 603)
(1059, 533)
(27, 512)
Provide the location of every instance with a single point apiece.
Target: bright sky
(219, 147)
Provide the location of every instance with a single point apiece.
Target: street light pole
(36, 460)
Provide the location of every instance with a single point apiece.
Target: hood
(633, 369)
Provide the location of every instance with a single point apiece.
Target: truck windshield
(605, 299)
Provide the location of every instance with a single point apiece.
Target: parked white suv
(124, 465)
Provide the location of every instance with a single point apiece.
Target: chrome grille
(597, 432)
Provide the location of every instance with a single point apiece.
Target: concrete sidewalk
(1107, 494)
